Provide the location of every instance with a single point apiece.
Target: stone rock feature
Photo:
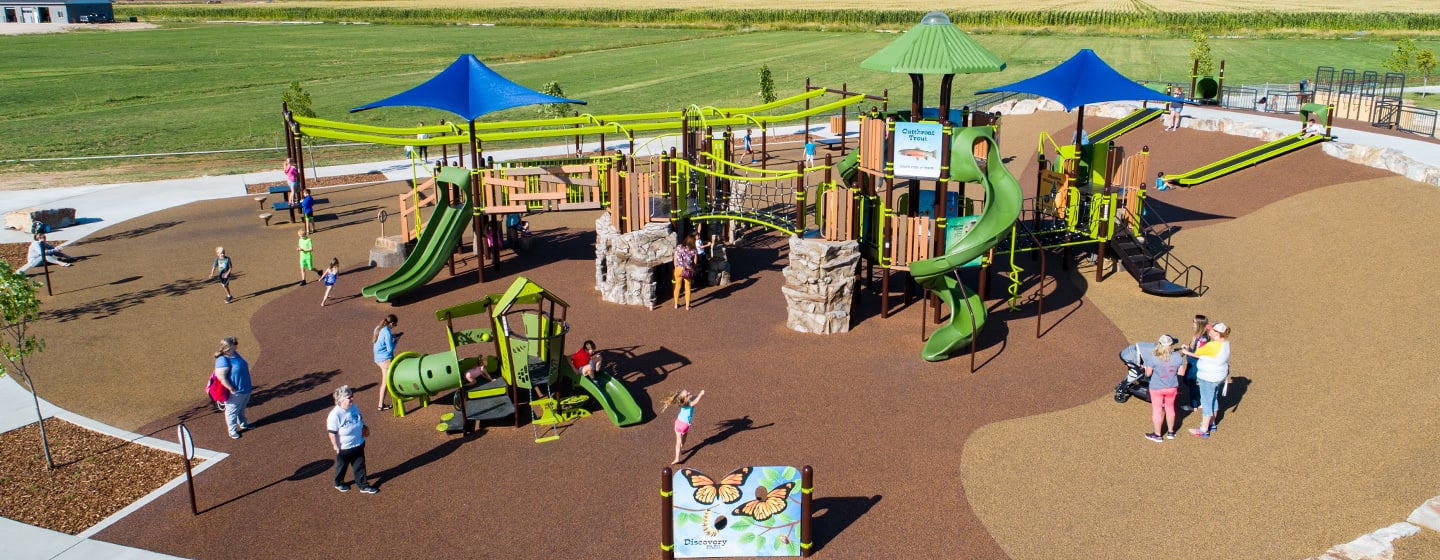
(1374, 546)
(717, 266)
(625, 263)
(820, 285)
(1427, 515)
(55, 218)
(388, 252)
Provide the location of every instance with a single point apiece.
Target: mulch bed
(337, 180)
(14, 253)
(95, 475)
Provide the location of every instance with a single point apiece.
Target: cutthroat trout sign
(917, 150)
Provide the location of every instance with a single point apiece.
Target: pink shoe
(1197, 433)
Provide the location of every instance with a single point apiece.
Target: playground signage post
(918, 150)
(187, 452)
(750, 512)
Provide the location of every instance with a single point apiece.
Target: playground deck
(1028, 458)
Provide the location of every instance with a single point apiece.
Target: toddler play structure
(513, 362)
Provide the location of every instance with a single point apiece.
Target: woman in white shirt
(1212, 368)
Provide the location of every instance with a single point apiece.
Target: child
(586, 360)
(1160, 181)
(221, 269)
(329, 278)
(292, 178)
(682, 423)
(305, 246)
(307, 207)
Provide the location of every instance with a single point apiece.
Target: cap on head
(1166, 340)
(1221, 328)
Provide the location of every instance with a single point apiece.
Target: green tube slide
(414, 375)
(848, 166)
(437, 241)
(1002, 207)
(610, 392)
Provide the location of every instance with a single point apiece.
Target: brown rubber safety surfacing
(884, 430)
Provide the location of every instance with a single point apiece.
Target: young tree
(1200, 51)
(1402, 59)
(767, 84)
(553, 110)
(298, 100)
(19, 307)
(1425, 64)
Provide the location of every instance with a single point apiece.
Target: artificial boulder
(820, 285)
(625, 263)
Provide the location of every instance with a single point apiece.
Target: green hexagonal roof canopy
(935, 46)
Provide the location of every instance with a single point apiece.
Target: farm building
(57, 11)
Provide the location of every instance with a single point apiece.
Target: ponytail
(226, 344)
(388, 321)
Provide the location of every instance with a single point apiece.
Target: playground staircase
(1147, 258)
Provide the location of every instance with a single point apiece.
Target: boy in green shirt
(305, 246)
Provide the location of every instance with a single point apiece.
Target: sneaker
(342, 487)
(1197, 433)
(244, 428)
(234, 435)
(1169, 435)
(369, 490)
(1154, 438)
(229, 299)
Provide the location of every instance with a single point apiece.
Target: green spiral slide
(1002, 207)
(442, 232)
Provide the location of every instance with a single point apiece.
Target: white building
(57, 11)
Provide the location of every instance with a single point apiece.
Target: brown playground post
(667, 527)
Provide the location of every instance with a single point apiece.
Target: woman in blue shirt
(234, 372)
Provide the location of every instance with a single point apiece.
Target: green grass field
(212, 87)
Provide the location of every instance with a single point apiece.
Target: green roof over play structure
(934, 46)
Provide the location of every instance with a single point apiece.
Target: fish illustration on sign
(917, 153)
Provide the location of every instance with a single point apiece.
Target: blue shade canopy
(468, 89)
(1082, 80)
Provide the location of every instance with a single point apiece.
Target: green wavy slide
(437, 241)
(1002, 207)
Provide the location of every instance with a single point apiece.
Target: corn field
(1130, 17)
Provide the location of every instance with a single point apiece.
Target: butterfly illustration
(766, 504)
(706, 489)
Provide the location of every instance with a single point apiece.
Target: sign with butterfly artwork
(752, 511)
(918, 150)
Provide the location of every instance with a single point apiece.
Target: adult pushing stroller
(1135, 382)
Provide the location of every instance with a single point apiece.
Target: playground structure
(525, 330)
(916, 222)
(497, 195)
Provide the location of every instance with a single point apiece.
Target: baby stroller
(1135, 382)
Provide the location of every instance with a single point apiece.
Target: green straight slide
(610, 392)
(1130, 122)
(437, 241)
(1245, 159)
(1002, 207)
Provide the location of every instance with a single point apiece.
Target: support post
(667, 517)
(807, 510)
